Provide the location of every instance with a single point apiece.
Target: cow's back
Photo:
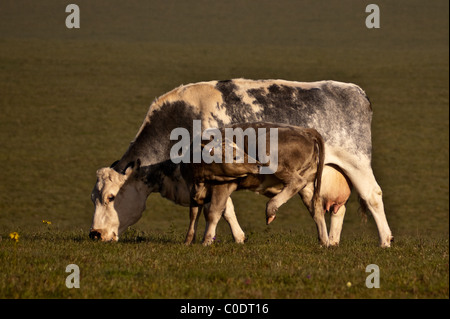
(340, 112)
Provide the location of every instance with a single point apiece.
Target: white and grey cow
(340, 112)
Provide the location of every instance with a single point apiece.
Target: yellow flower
(349, 284)
(14, 236)
(47, 222)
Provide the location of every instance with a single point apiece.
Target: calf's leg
(230, 217)
(194, 214)
(293, 186)
(317, 213)
(219, 197)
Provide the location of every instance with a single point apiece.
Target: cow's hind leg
(368, 189)
(295, 184)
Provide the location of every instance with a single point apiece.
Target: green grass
(269, 265)
(72, 100)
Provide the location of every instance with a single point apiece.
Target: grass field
(72, 99)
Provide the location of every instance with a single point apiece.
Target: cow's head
(119, 199)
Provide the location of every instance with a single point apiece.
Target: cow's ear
(137, 165)
(132, 166)
(114, 164)
(128, 169)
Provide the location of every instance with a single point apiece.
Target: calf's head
(119, 201)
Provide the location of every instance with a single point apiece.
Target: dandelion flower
(14, 236)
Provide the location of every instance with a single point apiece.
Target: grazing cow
(340, 112)
(300, 160)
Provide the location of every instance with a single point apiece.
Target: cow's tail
(320, 146)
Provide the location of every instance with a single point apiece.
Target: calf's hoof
(190, 238)
(208, 241)
(270, 219)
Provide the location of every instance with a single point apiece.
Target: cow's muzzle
(99, 234)
(95, 234)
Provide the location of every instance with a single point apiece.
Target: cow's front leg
(219, 196)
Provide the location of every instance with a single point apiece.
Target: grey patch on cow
(235, 108)
(352, 112)
(288, 104)
(346, 109)
(216, 118)
(340, 112)
(154, 138)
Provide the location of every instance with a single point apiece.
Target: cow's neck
(152, 143)
(165, 178)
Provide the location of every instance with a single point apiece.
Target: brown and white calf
(300, 161)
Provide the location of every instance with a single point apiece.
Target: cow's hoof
(324, 244)
(334, 243)
(388, 242)
(240, 239)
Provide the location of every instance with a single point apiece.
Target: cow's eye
(111, 198)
